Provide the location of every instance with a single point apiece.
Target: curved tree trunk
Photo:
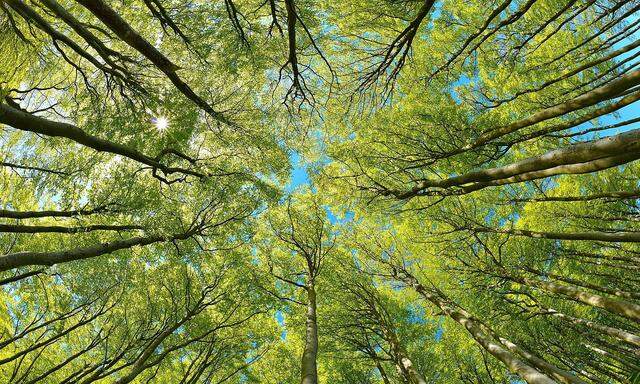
(621, 236)
(416, 377)
(24, 121)
(124, 31)
(557, 373)
(405, 365)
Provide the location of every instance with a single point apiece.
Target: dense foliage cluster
(281, 191)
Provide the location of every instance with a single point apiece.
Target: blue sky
(300, 173)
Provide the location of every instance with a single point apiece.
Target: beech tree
(282, 191)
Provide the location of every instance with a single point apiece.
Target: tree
(277, 191)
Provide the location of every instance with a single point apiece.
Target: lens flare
(162, 123)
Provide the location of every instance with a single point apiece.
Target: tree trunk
(611, 331)
(383, 373)
(309, 356)
(124, 31)
(528, 373)
(557, 373)
(405, 365)
(24, 121)
(619, 307)
(21, 259)
(615, 237)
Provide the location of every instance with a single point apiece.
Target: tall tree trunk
(124, 31)
(528, 373)
(405, 365)
(21, 259)
(309, 356)
(620, 307)
(16, 118)
(619, 334)
(383, 373)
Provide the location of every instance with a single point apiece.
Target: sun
(161, 123)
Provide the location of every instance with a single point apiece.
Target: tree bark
(619, 307)
(383, 373)
(557, 373)
(8, 228)
(617, 195)
(623, 237)
(21, 259)
(611, 331)
(576, 159)
(37, 214)
(405, 365)
(588, 99)
(29, 14)
(310, 353)
(528, 373)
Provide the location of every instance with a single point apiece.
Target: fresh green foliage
(468, 213)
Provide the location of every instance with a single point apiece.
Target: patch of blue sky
(437, 335)
(302, 168)
(510, 219)
(627, 113)
(490, 215)
(503, 220)
(462, 80)
(416, 314)
(346, 217)
(280, 319)
(299, 173)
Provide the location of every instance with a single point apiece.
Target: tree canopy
(297, 191)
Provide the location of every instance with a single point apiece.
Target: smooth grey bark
(559, 374)
(310, 354)
(38, 214)
(568, 169)
(616, 195)
(585, 284)
(21, 259)
(577, 70)
(622, 237)
(619, 307)
(588, 99)
(611, 331)
(576, 159)
(9, 228)
(405, 365)
(477, 331)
